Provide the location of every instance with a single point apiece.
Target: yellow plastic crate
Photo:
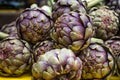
(29, 77)
(23, 77)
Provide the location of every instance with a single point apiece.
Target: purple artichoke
(73, 30)
(65, 6)
(57, 64)
(98, 62)
(34, 24)
(42, 47)
(105, 25)
(10, 29)
(15, 57)
(114, 44)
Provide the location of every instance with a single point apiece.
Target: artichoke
(114, 44)
(10, 29)
(105, 24)
(34, 24)
(15, 57)
(98, 62)
(114, 5)
(57, 64)
(42, 47)
(73, 30)
(65, 6)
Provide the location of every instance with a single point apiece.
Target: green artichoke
(73, 30)
(34, 24)
(65, 6)
(98, 62)
(57, 64)
(105, 22)
(10, 29)
(42, 47)
(15, 57)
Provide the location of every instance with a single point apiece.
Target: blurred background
(10, 9)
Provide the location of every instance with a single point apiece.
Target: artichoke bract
(98, 62)
(73, 30)
(10, 29)
(65, 6)
(34, 24)
(105, 22)
(57, 64)
(42, 47)
(15, 57)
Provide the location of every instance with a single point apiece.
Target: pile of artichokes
(66, 40)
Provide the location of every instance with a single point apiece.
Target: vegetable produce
(34, 24)
(15, 57)
(10, 29)
(114, 44)
(42, 47)
(57, 64)
(73, 30)
(65, 6)
(105, 24)
(98, 62)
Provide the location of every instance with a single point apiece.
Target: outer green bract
(15, 57)
(73, 30)
(57, 64)
(105, 22)
(98, 62)
(34, 24)
(65, 6)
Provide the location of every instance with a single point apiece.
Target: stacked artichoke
(34, 25)
(15, 57)
(105, 26)
(98, 62)
(58, 64)
(10, 29)
(73, 30)
(65, 6)
(58, 43)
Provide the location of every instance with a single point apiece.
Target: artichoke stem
(93, 3)
(51, 3)
(3, 35)
(97, 40)
(47, 9)
(34, 6)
